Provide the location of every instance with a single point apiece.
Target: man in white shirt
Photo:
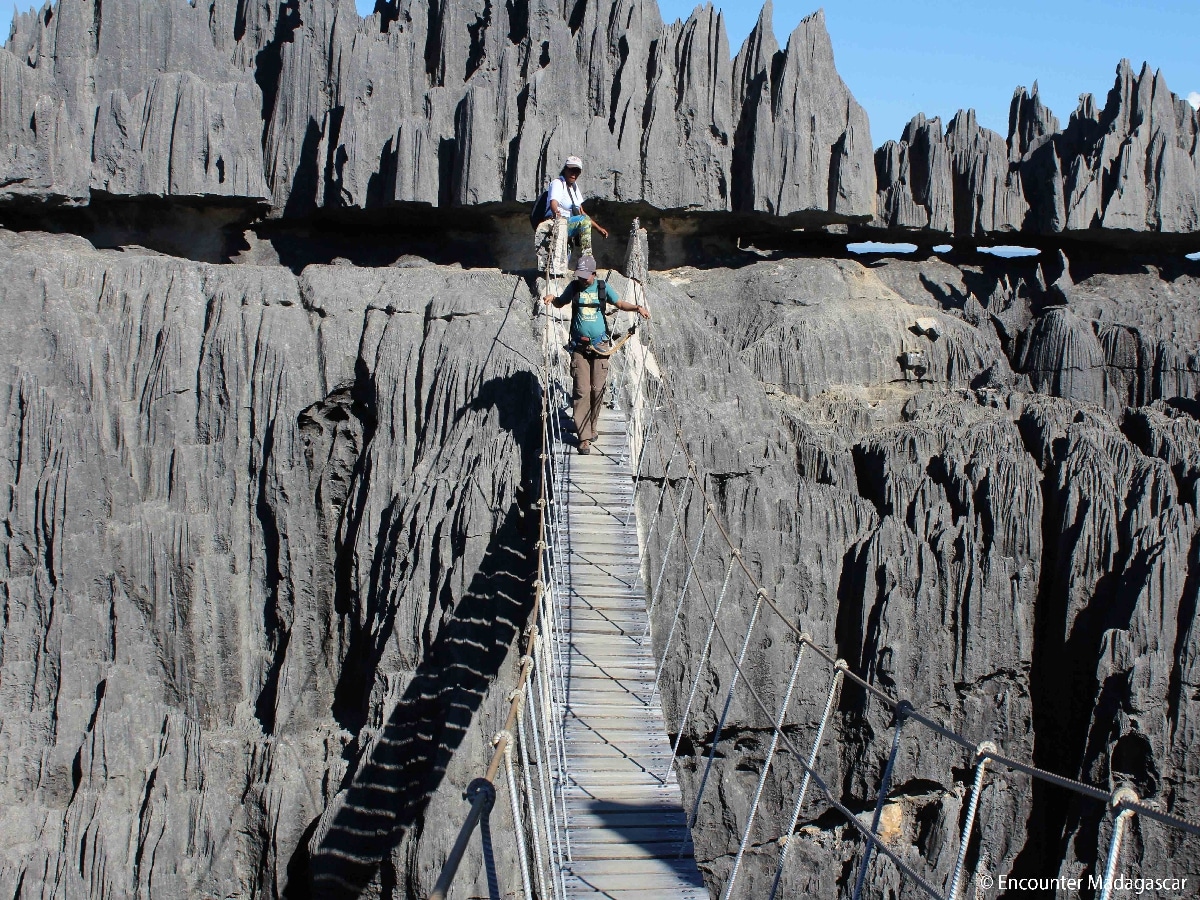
(565, 201)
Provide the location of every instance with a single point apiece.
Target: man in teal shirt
(589, 343)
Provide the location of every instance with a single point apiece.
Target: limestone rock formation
(803, 140)
(314, 107)
(266, 557)
(127, 98)
(1017, 562)
(1131, 167)
(267, 539)
(252, 522)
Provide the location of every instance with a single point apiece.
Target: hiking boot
(585, 447)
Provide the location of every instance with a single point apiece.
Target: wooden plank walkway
(625, 819)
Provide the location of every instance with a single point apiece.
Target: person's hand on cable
(634, 307)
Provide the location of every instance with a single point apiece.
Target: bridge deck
(625, 818)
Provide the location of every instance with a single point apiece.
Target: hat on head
(586, 267)
(573, 162)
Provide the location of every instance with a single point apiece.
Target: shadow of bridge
(400, 771)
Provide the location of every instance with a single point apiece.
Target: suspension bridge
(588, 770)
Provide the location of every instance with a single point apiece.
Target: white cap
(574, 162)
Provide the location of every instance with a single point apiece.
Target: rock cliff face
(252, 522)
(1021, 561)
(1132, 167)
(310, 106)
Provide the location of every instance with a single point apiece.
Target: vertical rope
(762, 779)
(712, 753)
(1121, 813)
(810, 764)
(489, 857)
(969, 824)
(554, 772)
(670, 541)
(662, 493)
(712, 627)
(678, 606)
(539, 866)
(647, 430)
(554, 737)
(901, 717)
(537, 713)
(514, 806)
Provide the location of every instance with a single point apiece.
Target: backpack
(537, 215)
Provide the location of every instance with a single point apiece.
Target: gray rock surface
(251, 521)
(127, 98)
(265, 559)
(267, 542)
(307, 106)
(1022, 565)
(803, 140)
(1132, 167)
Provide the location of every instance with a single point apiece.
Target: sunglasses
(573, 171)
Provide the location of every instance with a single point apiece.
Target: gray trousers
(590, 373)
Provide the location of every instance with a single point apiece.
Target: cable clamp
(483, 790)
(1122, 797)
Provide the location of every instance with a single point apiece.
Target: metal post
(482, 796)
(515, 807)
(536, 798)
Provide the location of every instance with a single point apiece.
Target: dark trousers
(590, 373)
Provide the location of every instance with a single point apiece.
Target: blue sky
(939, 56)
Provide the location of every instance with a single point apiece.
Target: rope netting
(537, 796)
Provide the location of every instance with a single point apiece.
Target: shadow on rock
(406, 763)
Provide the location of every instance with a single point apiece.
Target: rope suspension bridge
(588, 771)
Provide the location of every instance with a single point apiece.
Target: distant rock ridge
(306, 105)
(1131, 167)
